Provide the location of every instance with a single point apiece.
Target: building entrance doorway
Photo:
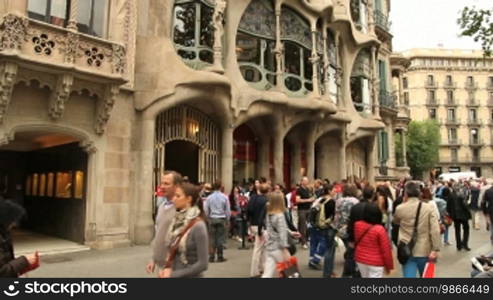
(46, 173)
(183, 157)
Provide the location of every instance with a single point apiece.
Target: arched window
(360, 82)
(297, 41)
(193, 31)
(332, 68)
(255, 44)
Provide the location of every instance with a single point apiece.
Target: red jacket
(374, 248)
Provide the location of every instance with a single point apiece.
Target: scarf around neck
(180, 221)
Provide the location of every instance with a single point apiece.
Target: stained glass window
(193, 31)
(255, 44)
(296, 37)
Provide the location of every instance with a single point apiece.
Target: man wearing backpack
(320, 218)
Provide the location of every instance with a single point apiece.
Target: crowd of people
(371, 223)
(407, 219)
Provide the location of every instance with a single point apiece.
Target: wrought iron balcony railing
(431, 84)
(474, 122)
(450, 84)
(382, 20)
(471, 85)
(432, 102)
(387, 100)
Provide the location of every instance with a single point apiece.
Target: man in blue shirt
(218, 211)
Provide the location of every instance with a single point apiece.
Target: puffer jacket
(374, 247)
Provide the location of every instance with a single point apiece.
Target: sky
(430, 23)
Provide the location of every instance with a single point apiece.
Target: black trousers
(461, 240)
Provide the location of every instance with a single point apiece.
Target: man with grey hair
(166, 212)
(427, 244)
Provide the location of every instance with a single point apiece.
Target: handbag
(176, 243)
(447, 220)
(289, 268)
(405, 250)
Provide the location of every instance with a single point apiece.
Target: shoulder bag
(176, 243)
(405, 250)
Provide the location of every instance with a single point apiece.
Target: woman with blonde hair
(277, 231)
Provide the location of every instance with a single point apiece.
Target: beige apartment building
(98, 97)
(455, 88)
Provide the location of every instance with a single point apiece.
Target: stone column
(315, 60)
(144, 225)
(323, 159)
(74, 9)
(278, 147)
(325, 62)
(374, 83)
(227, 158)
(371, 16)
(263, 157)
(18, 7)
(343, 161)
(371, 163)
(340, 71)
(218, 19)
(295, 163)
(310, 156)
(279, 50)
(404, 147)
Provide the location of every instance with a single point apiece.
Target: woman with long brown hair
(187, 237)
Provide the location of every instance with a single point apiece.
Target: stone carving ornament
(43, 44)
(60, 96)
(104, 108)
(119, 59)
(13, 32)
(8, 73)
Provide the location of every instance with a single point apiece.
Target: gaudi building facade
(98, 97)
(455, 88)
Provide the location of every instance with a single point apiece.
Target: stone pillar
(144, 225)
(371, 161)
(315, 60)
(72, 21)
(18, 7)
(404, 147)
(371, 17)
(218, 19)
(325, 62)
(374, 83)
(340, 72)
(279, 50)
(295, 163)
(310, 156)
(278, 139)
(343, 161)
(322, 158)
(227, 158)
(263, 157)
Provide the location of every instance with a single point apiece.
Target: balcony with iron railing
(451, 121)
(472, 102)
(490, 102)
(476, 142)
(451, 102)
(489, 86)
(431, 84)
(474, 122)
(449, 84)
(471, 85)
(432, 102)
(387, 100)
(382, 21)
(451, 142)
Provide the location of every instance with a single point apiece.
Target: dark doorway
(183, 157)
(50, 182)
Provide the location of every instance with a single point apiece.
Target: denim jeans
(330, 253)
(445, 234)
(414, 265)
(318, 244)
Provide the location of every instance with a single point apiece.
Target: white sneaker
(304, 246)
